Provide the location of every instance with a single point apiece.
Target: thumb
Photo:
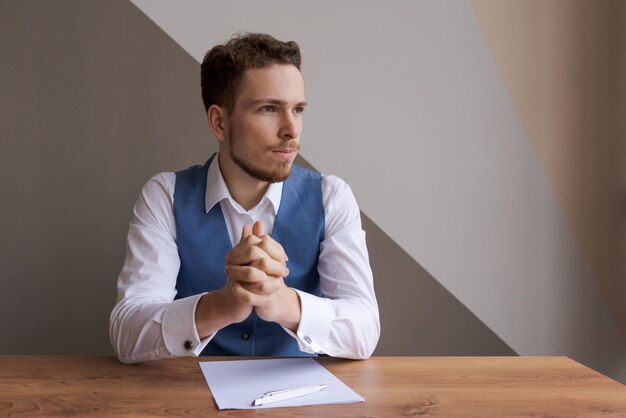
(258, 229)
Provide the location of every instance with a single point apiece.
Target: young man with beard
(247, 254)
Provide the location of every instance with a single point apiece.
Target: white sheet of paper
(236, 384)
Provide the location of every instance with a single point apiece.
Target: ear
(216, 116)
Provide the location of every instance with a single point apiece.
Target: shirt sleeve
(344, 322)
(147, 323)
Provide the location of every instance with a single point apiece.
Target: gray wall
(89, 110)
(474, 256)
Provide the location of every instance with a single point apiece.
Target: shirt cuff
(316, 315)
(178, 327)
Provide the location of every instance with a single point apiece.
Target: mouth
(285, 154)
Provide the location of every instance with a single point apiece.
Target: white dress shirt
(148, 324)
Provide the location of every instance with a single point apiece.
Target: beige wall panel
(563, 63)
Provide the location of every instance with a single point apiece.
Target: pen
(285, 394)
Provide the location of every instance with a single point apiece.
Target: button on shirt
(148, 324)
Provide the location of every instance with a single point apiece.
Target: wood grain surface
(37, 386)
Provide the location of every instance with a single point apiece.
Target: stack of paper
(236, 384)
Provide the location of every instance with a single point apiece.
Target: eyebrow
(275, 102)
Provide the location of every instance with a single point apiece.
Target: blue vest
(203, 242)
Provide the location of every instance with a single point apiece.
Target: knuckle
(264, 263)
(251, 240)
(253, 275)
(264, 287)
(247, 274)
(248, 251)
(253, 253)
(264, 245)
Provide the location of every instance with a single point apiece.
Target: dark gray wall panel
(418, 315)
(95, 100)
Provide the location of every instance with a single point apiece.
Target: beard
(248, 164)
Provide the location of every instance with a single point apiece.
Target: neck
(245, 189)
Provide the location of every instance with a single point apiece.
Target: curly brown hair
(224, 66)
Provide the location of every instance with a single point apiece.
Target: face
(263, 134)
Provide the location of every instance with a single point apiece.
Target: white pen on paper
(286, 394)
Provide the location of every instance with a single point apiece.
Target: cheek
(261, 127)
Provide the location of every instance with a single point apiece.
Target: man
(248, 254)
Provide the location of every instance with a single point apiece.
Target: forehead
(277, 81)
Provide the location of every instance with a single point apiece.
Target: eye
(298, 110)
(268, 108)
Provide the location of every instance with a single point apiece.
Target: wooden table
(34, 386)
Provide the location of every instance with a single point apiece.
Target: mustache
(291, 146)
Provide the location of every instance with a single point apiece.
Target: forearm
(146, 329)
(135, 332)
(354, 335)
(347, 327)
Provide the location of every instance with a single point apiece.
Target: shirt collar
(216, 190)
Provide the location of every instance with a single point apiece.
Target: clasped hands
(255, 269)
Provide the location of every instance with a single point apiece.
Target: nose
(290, 126)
